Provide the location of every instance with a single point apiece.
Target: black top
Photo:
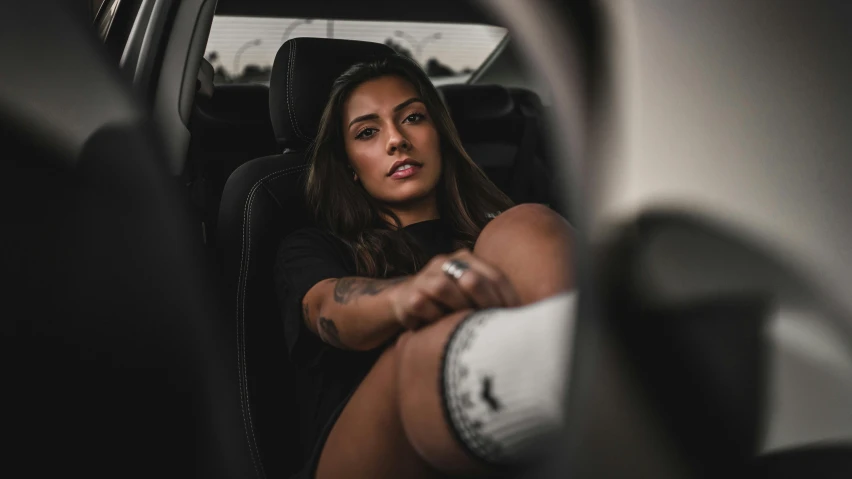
(326, 376)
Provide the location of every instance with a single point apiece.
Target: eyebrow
(373, 116)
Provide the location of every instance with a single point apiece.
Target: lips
(404, 168)
(405, 171)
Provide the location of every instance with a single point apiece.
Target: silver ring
(455, 268)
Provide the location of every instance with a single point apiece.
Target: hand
(431, 294)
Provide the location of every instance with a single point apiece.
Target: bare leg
(533, 246)
(394, 426)
(369, 438)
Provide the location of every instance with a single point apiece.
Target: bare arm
(363, 313)
(352, 313)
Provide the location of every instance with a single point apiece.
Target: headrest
(302, 75)
(477, 102)
(204, 84)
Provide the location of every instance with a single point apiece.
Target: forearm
(352, 313)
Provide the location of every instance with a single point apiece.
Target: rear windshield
(242, 49)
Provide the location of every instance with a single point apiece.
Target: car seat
(261, 204)
(503, 132)
(229, 126)
(113, 351)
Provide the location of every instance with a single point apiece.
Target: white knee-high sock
(504, 378)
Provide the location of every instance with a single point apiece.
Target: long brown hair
(467, 199)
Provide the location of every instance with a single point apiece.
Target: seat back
(228, 128)
(501, 129)
(111, 344)
(263, 201)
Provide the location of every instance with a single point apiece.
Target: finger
(420, 307)
(479, 290)
(482, 290)
(496, 281)
(410, 322)
(510, 294)
(434, 265)
(444, 288)
(503, 286)
(448, 294)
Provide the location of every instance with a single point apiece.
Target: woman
(407, 246)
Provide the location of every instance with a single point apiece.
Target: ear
(355, 177)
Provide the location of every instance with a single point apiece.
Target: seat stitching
(241, 370)
(287, 91)
(292, 107)
(290, 75)
(241, 284)
(290, 86)
(243, 279)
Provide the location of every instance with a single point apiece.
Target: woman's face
(391, 141)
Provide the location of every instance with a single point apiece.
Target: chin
(410, 193)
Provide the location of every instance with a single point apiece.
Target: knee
(534, 247)
(524, 224)
(533, 215)
(529, 210)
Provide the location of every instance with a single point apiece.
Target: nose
(397, 141)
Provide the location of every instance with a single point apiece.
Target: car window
(242, 49)
(113, 20)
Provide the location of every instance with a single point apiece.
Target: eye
(414, 118)
(366, 133)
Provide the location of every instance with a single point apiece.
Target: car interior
(152, 177)
(262, 201)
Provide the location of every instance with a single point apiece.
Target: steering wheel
(708, 157)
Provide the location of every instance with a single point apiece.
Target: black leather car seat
(111, 344)
(262, 203)
(502, 131)
(229, 126)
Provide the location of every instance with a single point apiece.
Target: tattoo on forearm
(328, 333)
(347, 289)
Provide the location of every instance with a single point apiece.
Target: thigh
(368, 440)
(393, 425)
(533, 247)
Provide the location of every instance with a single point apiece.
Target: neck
(417, 211)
